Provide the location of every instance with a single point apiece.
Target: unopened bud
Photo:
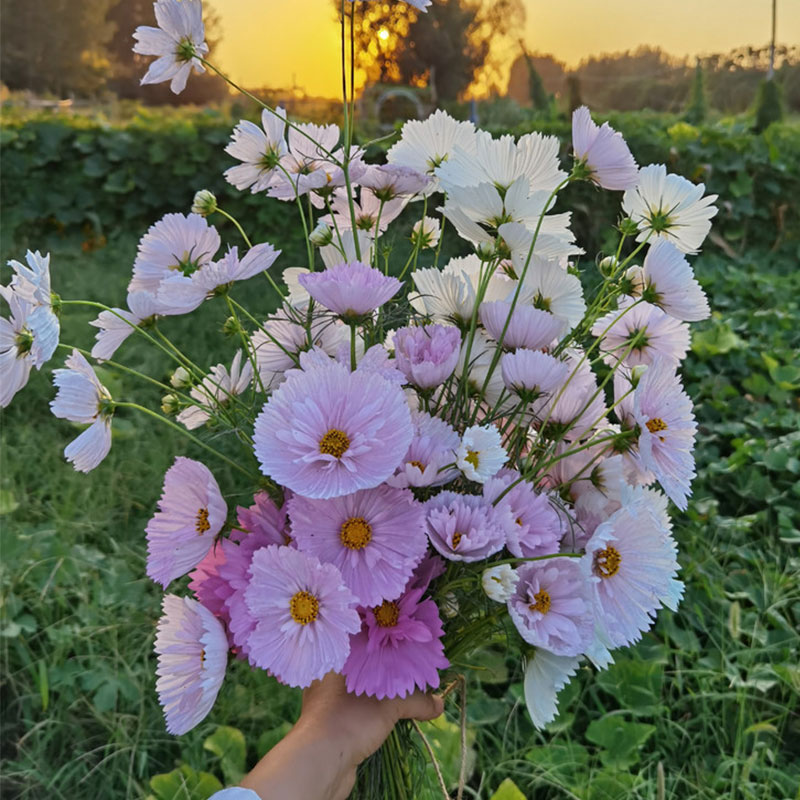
(204, 203)
(181, 379)
(170, 404)
(607, 265)
(499, 582)
(321, 235)
(485, 250)
(231, 327)
(636, 374)
(628, 227)
(633, 282)
(449, 605)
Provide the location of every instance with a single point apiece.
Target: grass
(705, 707)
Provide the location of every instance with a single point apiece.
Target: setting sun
(383, 34)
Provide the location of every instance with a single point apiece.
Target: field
(707, 706)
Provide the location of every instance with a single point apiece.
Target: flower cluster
(417, 437)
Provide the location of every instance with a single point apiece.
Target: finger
(420, 706)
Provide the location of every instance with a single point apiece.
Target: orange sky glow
(284, 43)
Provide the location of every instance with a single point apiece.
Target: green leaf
(508, 790)
(716, 340)
(8, 502)
(184, 783)
(620, 740)
(229, 745)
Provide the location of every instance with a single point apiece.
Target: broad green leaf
(621, 740)
(184, 783)
(508, 790)
(229, 745)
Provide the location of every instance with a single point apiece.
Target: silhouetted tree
(769, 105)
(697, 109)
(574, 99)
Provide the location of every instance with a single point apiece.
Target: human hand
(336, 731)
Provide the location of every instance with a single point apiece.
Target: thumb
(420, 706)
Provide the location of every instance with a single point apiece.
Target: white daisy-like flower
(666, 280)
(556, 243)
(553, 289)
(426, 144)
(298, 296)
(82, 398)
(259, 149)
(425, 233)
(116, 325)
(32, 282)
(602, 152)
(500, 162)
(669, 207)
(178, 41)
(217, 389)
(334, 254)
(481, 453)
(546, 675)
(499, 582)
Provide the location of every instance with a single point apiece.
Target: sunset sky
(284, 42)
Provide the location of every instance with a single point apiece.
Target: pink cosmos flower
(350, 290)
(330, 432)
(528, 327)
(637, 333)
(259, 149)
(399, 648)
(552, 606)
(535, 528)
(209, 588)
(530, 373)
(603, 151)
(191, 514)
(117, 325)
(388, 181)
(192, 655)
(374, 537)
(82, 398)
(465, 527)
(266, 519)
(371, 215)
(305, 615)
(432, 449)
(176, 244)
(427, 355)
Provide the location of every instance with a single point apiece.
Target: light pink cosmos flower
(116, 325)
(350, 290)
(603, 152)
(533, 526)
(259, 149)
(465, 527)
(82, 398)
(530, 373)
(374, 537)
(192, 653)
(217, 389)
(372, 216)
(528, 327)
(638, 332)
(430, 460)
(176, 244)
(329, 431)
(191, 512)
(389, 181)
(667, 281)
(178, 41)
(427, 355)
(552, 606)
(305, 615)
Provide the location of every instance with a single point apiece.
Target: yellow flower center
(542, 603)
(656, 424)
(387, 614)
(607, 562)
(304, 608)
(334, 443)
(356, 533)
(418, 464)
(202, 524)
(456, 539)
(472, 458)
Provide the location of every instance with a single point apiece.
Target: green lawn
(705, 707)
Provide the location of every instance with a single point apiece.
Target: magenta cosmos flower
(466, 527)
(427, 355)
(537, 527)
(603, 152)
(374, 537)
(191, 514)
(305, 615)
(552, 606)
(398, 648)
(329, 431)
(528, 327)
(430, 460)
(351, 290)
(192, 655)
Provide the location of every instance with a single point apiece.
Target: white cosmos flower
(217, 389)
(116, 325)
(553, 289)
(670, 207)
(499, 582)
(82, 398)
(426, 231)
(259, 149)
(333, 254)
(32, 282)
(425, 144)
(546, 675)
(554, 242)
(666, 280)
(178, 41)
(298, 295)
(502, 161)
(481, 453)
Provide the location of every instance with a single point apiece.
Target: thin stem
(436, 768)
(238, 226)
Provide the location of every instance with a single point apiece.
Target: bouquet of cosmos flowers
(442, 456)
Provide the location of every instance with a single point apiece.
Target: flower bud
(321, 235)
(628, 227)
(181, 379)
(607, 265)
(485, 250)
(449, 605)
(170, 404)
(231, 327)
(633, 282)
(636, 374)
(499, 582)
(204, 203)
